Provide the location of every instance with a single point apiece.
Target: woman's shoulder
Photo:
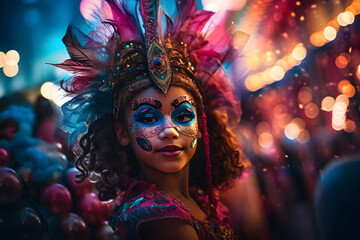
(143, 203)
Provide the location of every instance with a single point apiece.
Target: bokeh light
(305, 95)
(346, 88)
(358, 72)
(46, 90)
(330, 33)
(277, 73)
(299, 52)
(303, 137)
(12, 56)
(299, 122)
(266, 140)
(311, 110)
(11, 70)
(327, 103)
(254, 83)
(292, 131)
(342, 60)
(342, 98)
(269, 58)
(349, 126)
(2, 59)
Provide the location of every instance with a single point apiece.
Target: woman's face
(163, 130)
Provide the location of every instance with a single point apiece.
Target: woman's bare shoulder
(166, 229)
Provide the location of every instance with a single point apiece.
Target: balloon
(105, 232)
(92, 209)
(11, 187)
(26, 224)
(79, 189)
(57, 199)
(74, 227)
(4, 157)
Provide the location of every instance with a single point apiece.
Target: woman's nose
(169, 129)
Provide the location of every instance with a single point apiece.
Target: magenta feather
(123, 22)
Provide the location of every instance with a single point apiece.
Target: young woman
(151, 106)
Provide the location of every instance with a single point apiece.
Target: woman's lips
(170, 151)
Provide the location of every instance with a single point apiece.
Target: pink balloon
(92, 209)
(79, 189)
(4, 157)
(11, 187)
(57, 199)
(74, 227)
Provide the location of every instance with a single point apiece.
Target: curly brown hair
(117, 164)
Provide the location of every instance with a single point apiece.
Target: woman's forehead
(152, 96)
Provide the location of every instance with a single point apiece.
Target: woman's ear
(199, 134)
(121, 134)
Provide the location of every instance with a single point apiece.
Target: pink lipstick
(170, 150)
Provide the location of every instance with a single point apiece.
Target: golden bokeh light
(292, 131)
(339, 108)
(299, 52)
(305, 95)
(337, 127)
(348, 17)
(14, 56)
(358, 72)
(340, 20)
(342, 98)
(299, 122)
(2, 59)
(304, 136)
(349, 126)
(311, 110)
(348, 90)
(330, 33)
(342, 60)
(342, 84)
(254, 83)
(327, 104)
(266, 140)
(11, 70)
(46, 90)
(269, 58)
(317, 39)
(277, 73)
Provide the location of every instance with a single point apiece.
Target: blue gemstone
(157, 61)
(118, 54)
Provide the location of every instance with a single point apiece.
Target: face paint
(181, 99)
(184, 116)
(146, 101)
(193, 142)
(149, 121)
(144, 144)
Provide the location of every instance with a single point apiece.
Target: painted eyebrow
(181, 99)
(146, 101)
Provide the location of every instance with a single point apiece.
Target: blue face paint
(183, 115)
(144, 144)
(148, 116)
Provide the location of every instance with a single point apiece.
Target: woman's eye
(148, 120)
(184, 117)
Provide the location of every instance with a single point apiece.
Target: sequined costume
(143, 202)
